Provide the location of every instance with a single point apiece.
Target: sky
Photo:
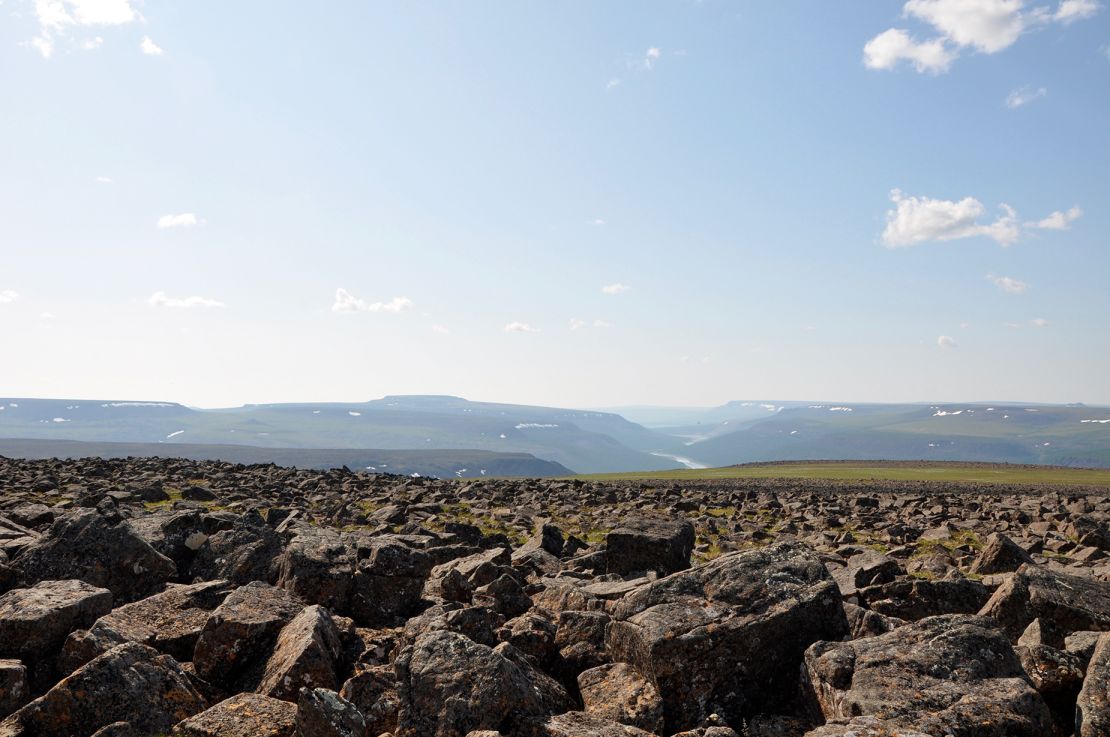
(564, 203)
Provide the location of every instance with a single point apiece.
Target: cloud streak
(347, 302)
(917, 220)
(161, 299)
(613, 289)
(184, 220)
(1007, 284)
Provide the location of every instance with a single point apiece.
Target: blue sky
(572, 203)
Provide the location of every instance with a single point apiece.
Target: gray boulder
(649, 544)
(1063, 602)
(920, 677)
(728, 637)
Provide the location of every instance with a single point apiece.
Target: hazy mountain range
(443, 435)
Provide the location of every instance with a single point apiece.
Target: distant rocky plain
(204, 599)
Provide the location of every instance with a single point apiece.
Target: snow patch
(533, 426)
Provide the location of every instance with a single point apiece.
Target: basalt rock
(244, 715)
(728, 637)
(646, 544)
(1068, 603)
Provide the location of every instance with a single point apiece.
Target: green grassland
(881, 471)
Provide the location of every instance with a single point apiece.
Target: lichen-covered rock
(317, 567)
(170, 622)
(239, 636)
(98, 550)
(244, 715)
(1092, 710)
(618, 692)
(1000, 554)
(387, 583)
(578, 724)
(324, 713)
(727, 637)
(864, 727)
(132, 683)
(242, 554)
(373, 691)
(449, 685)
(915, 599)
(35, 622)
(920, 677)
(15, 690)
(1057, 675)
(307, 655)
(649, 544)
(1064, 602)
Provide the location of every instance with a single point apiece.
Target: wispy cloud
(1058, 220)
(1007, 284)
(184, 220)
(612, 84)
(520, 327)
(946, 342)
(1039, 322)
(347, 302)
(983, 26)
(150, 48)
(921, 219)
(597, 221)
(7, 296)
(1024, 95)
(576, 324)
(104, 180)
(651, 56)
(617, 288)
(161, 299)
(441, 329)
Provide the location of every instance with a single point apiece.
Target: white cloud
(946, 341)
(104, 180)
(1058, 220)
(160, 299)
(1039, 322)
(520, 327)
(617, 288)
(894, 45)
(576, 324)
(602, 324)
(56, 17)
(7, 296)
(441, 329)
(612, 84)
(1024, 96)
(919, 219)
(150, 48)
(985, 26)
(93, 43)
(1073, 10)
(1007, 284)
(651, 56)
(347, 302)
(184, 220)
(597, 221)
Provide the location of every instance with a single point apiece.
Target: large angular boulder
(15, 690)
(306, 655)
(449, 685)
(1062, 602)
(373, 691)
(619, 693)
(728, 637)
(130, 683)
(1000, 554)
(649, 544)
(1092, 710)
(98, 550)
(35, 622)
(578, 724)
(921, 677)
(239, 636)
(317, 566)
(244, 715)
(388, 580)
(242, 554)
(324, 713)
(864, 727)
(913, 599)
(169, 622)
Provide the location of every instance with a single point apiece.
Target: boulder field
(152, 597)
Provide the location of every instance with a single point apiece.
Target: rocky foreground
(152, 597)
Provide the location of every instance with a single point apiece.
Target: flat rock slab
(34, 622)
(170, 622)
(728, 637)
(245, 715)
(306, 656)
(923, 677)
(1062, 602)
